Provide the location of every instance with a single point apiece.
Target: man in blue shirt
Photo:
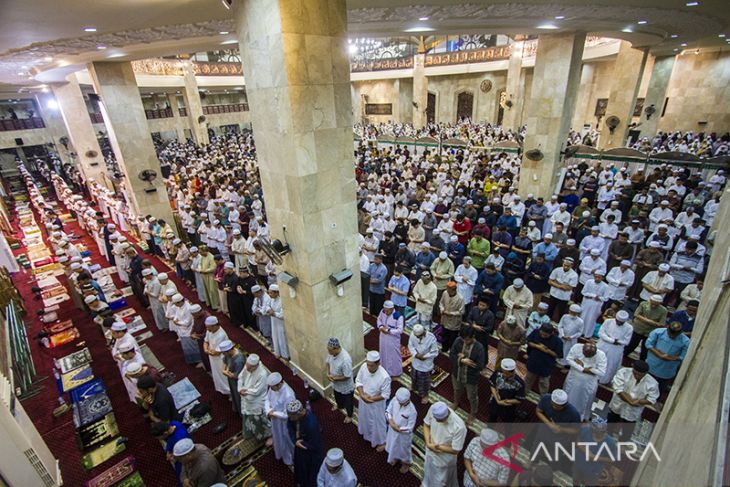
(170, 432)
(456, 250)
(398, 287)
(686, 316)
(592, 440)
(424, 259)
(666, 348)
(509, 221)
(547, 248)
(543, 349)
(489, 284)
(560, 424)
(378, 272)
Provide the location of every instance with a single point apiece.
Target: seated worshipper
(518, 300)
(157, 400)
(481, 469)
(214, 336)
(597, 449)
(373, 387)
(260, 307)
(390, 325)
(304, 432)
(423, 348)
(570, 328)
(666, 349)
(508, 392)
(277, 397)
(99, 309)
(401, 417)
(468, 359)
(587, 365)
(85, 279)
(511, 336)
(444, 433)
(424, 294)
(276, 314)
(339, 373)
(613, 336)
(560, 423)
(182, 317)
(633, 389)
(451, 306)
(252, 389)
(171, 432)
(336, 471)
(199, 466)
(595, 293)
(543, 349)
(233, 361)
(537, 318)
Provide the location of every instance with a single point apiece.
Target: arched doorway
(464, 105)
(431, 108)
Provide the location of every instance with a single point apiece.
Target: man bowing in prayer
(214, 336)
(587, 365)
(373, 387)
(444, 433)
(252, 388)
(336, 471)
(401, 416)
(390, 325)
(278, 396)
(304, 431)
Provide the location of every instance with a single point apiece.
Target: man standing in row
(373, 387)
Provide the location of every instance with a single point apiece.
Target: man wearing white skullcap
(613, 336)
(277, 397)
(619, 280)
(442, 270)
(260, 308)
(423, 347)
(278, 332)
(595, 293)
(518, 300)
(214, 336)
(336, 471)
(560, 420)
(444, 433)
(199, 466)
(481, 469)
(587, 365)
(401, 417)
(373, 386)
(570, 328)
(252, 389)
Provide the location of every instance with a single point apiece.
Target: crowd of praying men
(581, 278)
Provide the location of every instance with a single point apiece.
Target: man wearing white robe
(570, 328)
(444, 433)
(401, 417)
(613, 336)
(278, 333)
(214, 335)
(587, 364)
(595, 293)
(130, 356)
(278, 396)
(592, 241)
(238, 248)
(590, 263)
(336, 471)
(619, 280)
(518, 300)
(260, 309)
(252, 390)
(373, 387)
(122, 340)
(466, 278)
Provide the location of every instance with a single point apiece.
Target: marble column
(420, 90)
(180, 122)
(81, 134)
(627, 72)
(55, 127)
(583, 110)
(515, 89)
(129, 136)
(550, 110)
(656, 94)
(298, 86)
(194, 105)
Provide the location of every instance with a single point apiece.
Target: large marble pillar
(129, 136)
(420, 90)
(550, 110)
(180, 122)
(656, 94)
(628, 67)
(194, 105)
(81, 134)
(515, 89)
(55, 127)
(298, 86)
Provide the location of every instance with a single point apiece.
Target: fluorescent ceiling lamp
(420, 28)
(548, 26)
(626, 29)
(89, 29)
(116, 54)
(231, 41)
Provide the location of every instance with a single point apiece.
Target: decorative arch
(431, 107)
(464, 104)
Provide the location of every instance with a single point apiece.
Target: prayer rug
(56, 300)
(63, 338)
(143, 336)
(91, 409)
(74, 360)
(95, 386)
(53, 291)
(245, 477)
(77, 377)
(59, 327)
(134, 480)
(183, 393)
(125, 313)
(112, 475)
(150, 358)
(438, 375)
(136, 325)
(98, 432)
(96, 457)
(366, 328)
(241, 450)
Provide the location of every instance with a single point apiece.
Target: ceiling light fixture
(20, 73)
(548, 26)
(89, 29)
(674, 36)
(420, 28)
(627, 29)
(676, 50)
(423, 19)
(116, 54)
(559, 17)
(223, 32)
(48, 59)
(101, 48)
(642, 22)
(720, 35)
(692, 4)
(684, 44)
(231, 41)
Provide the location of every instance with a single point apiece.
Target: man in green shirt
(478, 250)
(649, 315)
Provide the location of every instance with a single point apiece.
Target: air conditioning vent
(42, 472)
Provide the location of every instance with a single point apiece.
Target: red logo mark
(513, 440)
